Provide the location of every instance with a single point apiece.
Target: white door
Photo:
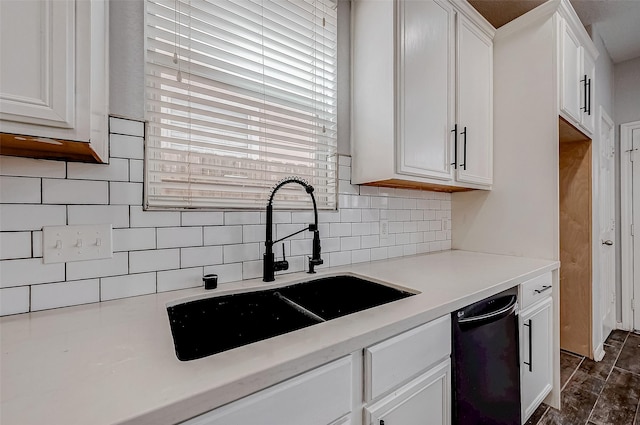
(536, 368)
(607, 223)
(425, 400)
(636, 220)
(425, 80)
(475, 108)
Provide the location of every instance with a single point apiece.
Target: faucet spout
(269, 265)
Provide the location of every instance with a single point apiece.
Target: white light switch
(62, 244)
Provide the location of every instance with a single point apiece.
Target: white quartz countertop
(114, 362)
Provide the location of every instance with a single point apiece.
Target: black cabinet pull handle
(589, 96)
(544, 288)
(584, 88)
(464, 154)
(530, 363)
(455, 147)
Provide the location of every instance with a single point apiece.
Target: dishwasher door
(486, 364)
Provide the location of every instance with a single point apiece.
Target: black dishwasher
(486, 365)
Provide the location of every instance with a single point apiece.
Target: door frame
(626, 212)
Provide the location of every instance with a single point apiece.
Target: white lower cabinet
(536, 364)
(425, 399)
(322, 396)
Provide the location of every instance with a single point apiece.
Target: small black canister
(210, 281)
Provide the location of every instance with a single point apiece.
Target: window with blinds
(239, 95)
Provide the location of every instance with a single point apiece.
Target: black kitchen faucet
(269, 265)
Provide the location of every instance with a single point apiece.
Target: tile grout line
(573, 373)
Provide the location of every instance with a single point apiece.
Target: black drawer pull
(544, 288)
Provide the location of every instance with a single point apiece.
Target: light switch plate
(62, 244)
(384, 228)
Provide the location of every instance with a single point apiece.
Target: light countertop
(114, 362)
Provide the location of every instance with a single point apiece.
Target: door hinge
(632, 230)
(633, 304)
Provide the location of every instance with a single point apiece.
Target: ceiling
(617, 21)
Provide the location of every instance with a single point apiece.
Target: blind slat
(240, 94)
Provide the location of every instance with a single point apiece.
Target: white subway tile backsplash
(140, 218)
(344, 160)
(14, 300)
(20, 190)
(116, 170)
(27, 167)
(253, 233)
(31, 217)
(179, 279)
(330, 244)
(116, 265)
(344, 172)
(204, 218)
(226, 272)
(222, 235)
(15, 245)
(121, 146)
(136, 170)
(340, 258)
(154, 260)
(137, 239)
(200, 256)
(370, 215)
(396, 251)
(372, 241)
(178, 237)
(340, 229)
(349, 243)
(29, 272)
(63, 294)
(241, 217)
(58, 191)
(348, 215)
(253, 269)
(116, 215)
(361, 256)
(166, 250)
(360, 229)
(241, 252)
(125, 126)
(130, 285)
(36, 244)
(381, 253)
(122, 193)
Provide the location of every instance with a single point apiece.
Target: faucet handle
(281, 265)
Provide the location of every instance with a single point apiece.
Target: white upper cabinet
(577, 73)
(474, 154)
(421, 72)
(53, 79)
(425, 78)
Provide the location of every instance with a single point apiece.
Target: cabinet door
(536, 366)
(317, 397)
(587, 82)
(38, 59)
(425, 86)
(475, 105)
(425, 400)
(570, 54)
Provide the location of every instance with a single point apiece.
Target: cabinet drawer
(535, 290)
(318, 397)
(396, 360)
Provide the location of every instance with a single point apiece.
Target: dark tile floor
(598, 393)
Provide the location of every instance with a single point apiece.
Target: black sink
(208, 326)
(337, 296)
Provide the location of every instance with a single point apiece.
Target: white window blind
(239, 95)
